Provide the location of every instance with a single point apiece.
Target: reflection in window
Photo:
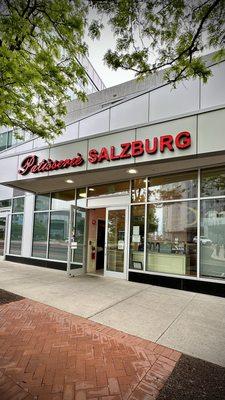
(2, 234)
(138, 191)
(5, 203)
(63, 200)
(118, 188)
(116, 240)
(81, 197)
(78, 231)
(179, 186)
(3, 141)
(213, 182)
(58, 238)
(16, 234)
(40, 234)
(42, 202)
(137, 237)
(18, 204)
(172, 238)
(212, 238)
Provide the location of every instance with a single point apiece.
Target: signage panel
(108, 154)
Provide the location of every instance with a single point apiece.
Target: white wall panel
(167, 102)
(70, 133)
(8, 169)
(129, 113)
(5, 192)
(8, 152)
(94, 124)
(113, 140)
(23, 147)
(213, 93)
(168, 128)
(39, 143)
(69, 151)
(211, 132)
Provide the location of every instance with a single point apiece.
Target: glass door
(116, 242)
(2, 235)
(77, 246)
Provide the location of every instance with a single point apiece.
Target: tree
(163, 34)
(40, 42)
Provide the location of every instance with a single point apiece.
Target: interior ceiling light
(82, 195)
(132, 171)
(69, 181)
(91, 189)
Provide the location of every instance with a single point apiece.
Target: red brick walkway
(48, 354)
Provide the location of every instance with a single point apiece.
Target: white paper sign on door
(120, 245)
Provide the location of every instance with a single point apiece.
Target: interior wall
(94, 215)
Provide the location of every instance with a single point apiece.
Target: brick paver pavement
(48, 354)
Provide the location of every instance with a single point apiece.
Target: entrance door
(2, 235)
(77, 246)
(100, 244)
(116, 242)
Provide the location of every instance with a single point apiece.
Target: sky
(97, 49)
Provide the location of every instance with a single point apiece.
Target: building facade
(134, 188)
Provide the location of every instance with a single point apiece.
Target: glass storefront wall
(137, 237)
(62, 200)
(171, 187)
(16, 225)
(177, 222)
(58, 236)
(51, 224)
(42, 202)
(184, 215)
(212, 228)
(16, 234)
(117, 188)
(40, 235)
(115, 240)
(171, 234)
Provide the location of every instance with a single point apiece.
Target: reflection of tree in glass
(152, 219)
(213, 184)
(169, 192)
(40, 230)
(139, 190)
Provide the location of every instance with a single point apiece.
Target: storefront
(137, 192)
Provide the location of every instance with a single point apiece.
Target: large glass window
(40, 234)
(212, 238)
(16, 234)
(213, 182)
(115, 241)
(18, 204)
(172, 238)
(42, 202)
(138, 190)
(5, 203)
(81, 197)
(3, 141)
(137, 237)
(58, 238)
(63, 200)
(79, 235)
(118, 188)
(171, 187)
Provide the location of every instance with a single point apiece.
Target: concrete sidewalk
(188, 322)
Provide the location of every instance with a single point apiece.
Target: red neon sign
(138, 147)
(30, 164)
(134, 149)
